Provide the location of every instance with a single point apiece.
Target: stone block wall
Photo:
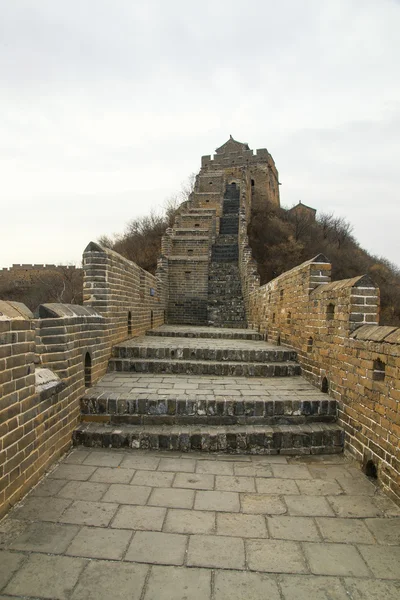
(188, 290)
(39, 408)
(210, 182)
(190, 245)
(131, 299)
(334, 328)
(46, 362)
(17, 403)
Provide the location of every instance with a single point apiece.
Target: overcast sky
(106, 107)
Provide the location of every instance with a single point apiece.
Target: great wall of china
(206, 316)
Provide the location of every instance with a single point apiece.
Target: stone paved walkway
(164, 526)
(140, 385)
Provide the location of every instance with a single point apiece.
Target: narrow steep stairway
(225, 299)
(207, 389)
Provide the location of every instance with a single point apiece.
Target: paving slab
(237, 585)
(216, 552)
(335, 559)
(152, 478)
(262, 504)
(45, 576)
(235, 484)
(291, 471)
(252, 470)
(72, 472)
(157, 548)
(345, 530)
(178, 583)
(103, 580)
(127, 494)
(189, 521)
(38, 509)
(112, 475)
(301, 529)
(100, 542)
(275, 486)
(215, 467)
(385, 531)
(218, 501)
(372, 589)
(48, 487)
(172, 498)
(308, 506)
(319, 487)
(144, 462)
(240, 525)
(83, 490)
(144, 518)
(182, 465)
(384, 561)
(9, 563)
(275, 556)
(354, 506)
(103, 459)
(51, 538)
(98, 514)
(195, 481)
(306, 587)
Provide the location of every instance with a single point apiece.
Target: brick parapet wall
(73, 345)
(334, 328)
(36, 424)
(131, 299)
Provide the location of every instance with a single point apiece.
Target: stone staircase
(207, 389)
(225, 299)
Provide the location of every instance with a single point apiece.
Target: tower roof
(232, 146)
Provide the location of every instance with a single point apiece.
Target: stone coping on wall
(95, 247)
(353, 282)
(10, 311)
(378, 333)
(54, 309)
(318, 259)
(47, 383)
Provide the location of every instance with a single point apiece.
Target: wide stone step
(227, 324)
(315, 438)
(201, 407)
(202, 350)
(204, 333)
(206, 367)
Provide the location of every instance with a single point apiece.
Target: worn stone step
(207, 367)
(202, 407)
(315, 438)
(229, 225)
(204, 333)
(202, 350)
(227, 324)
(225, 253)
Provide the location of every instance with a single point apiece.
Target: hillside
(281, 240)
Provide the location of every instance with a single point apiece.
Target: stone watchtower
(234, 159)
(200, 255)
